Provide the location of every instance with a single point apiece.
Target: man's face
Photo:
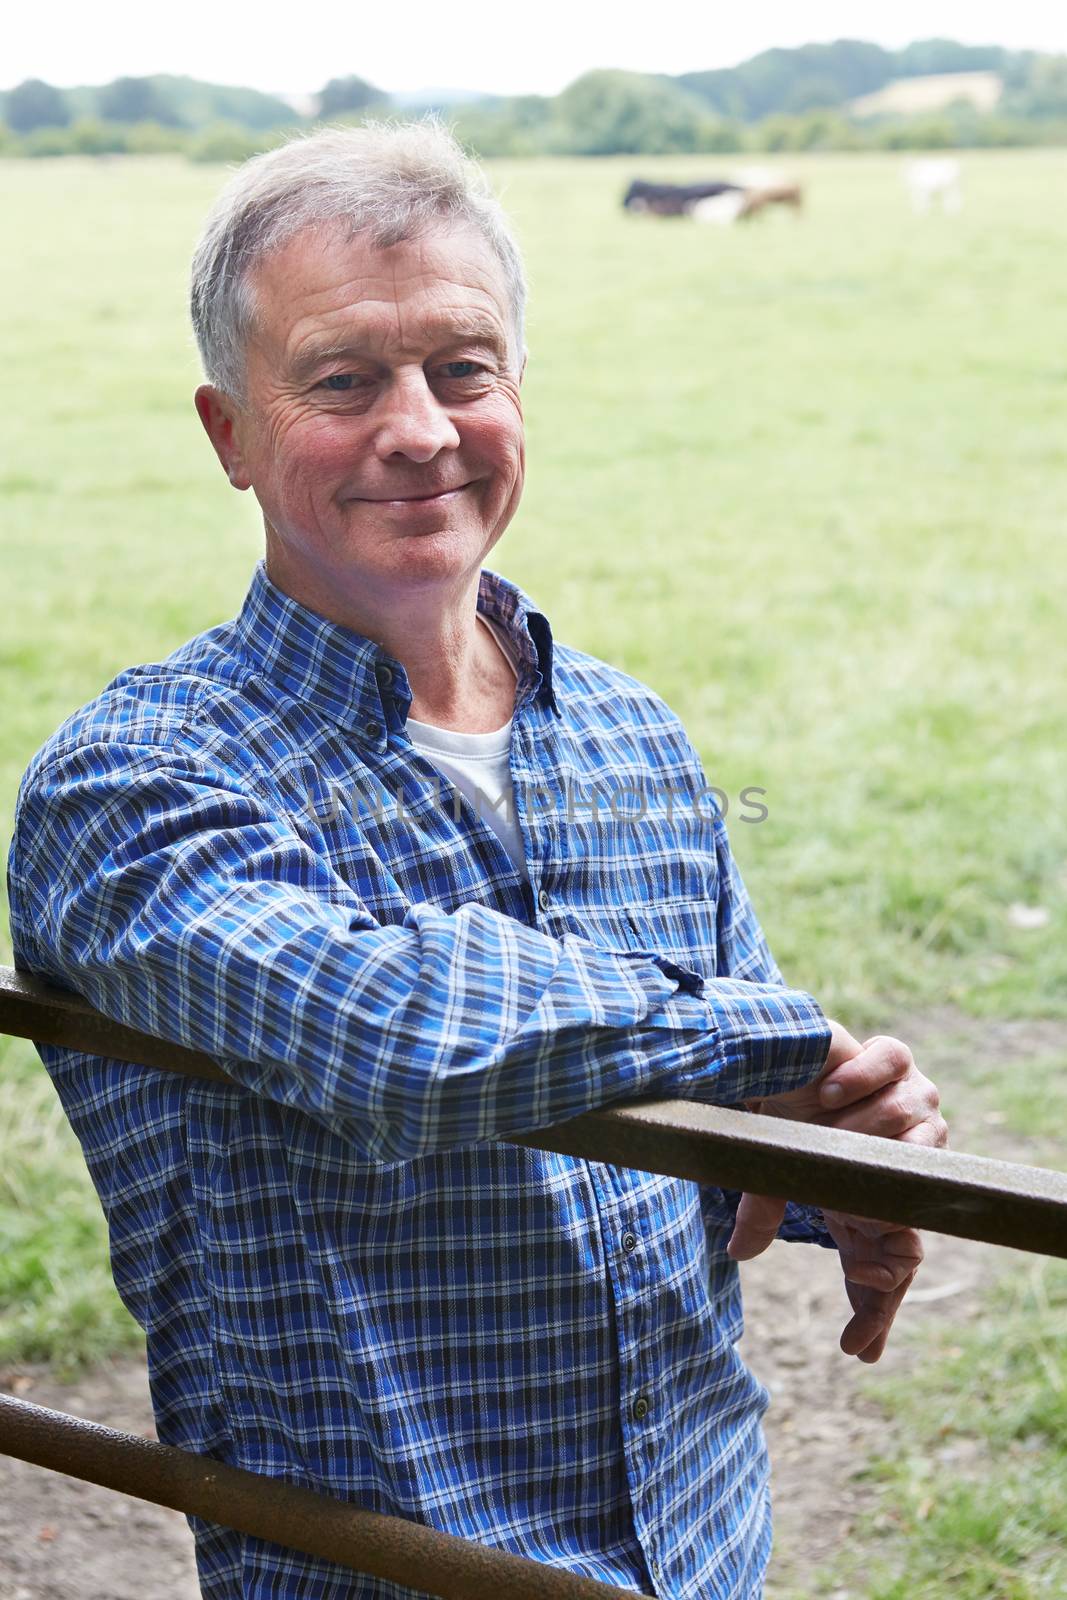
(382, 429)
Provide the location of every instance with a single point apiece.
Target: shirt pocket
(684, 931)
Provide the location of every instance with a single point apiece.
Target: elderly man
(347, 1277)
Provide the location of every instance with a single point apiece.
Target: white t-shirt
(477, 764)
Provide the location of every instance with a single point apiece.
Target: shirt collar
(353, 679)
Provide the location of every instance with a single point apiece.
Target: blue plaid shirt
(345, 1278)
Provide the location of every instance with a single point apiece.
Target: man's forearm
(195, 912)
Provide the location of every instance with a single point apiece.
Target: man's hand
(871, 1088)
(807, 1105)
(879, 1261)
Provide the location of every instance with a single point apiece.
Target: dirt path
(820, 1428)
(64, 1540)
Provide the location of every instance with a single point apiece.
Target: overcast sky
(470, 44)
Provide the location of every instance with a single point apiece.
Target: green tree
(824, 130)
(722, 89)
(88, 136)
(917, 133)
(997, 131)
(150, 139)
(775, 133)
(946, 55)
(1045, 94)
(135, 100)
(343, 96)
(36, 104)
(224, 141)
(794, 80)
(517, 126)
(46, 142)
(609, 112)
(719, 136)
(200, 105)
(812, 93)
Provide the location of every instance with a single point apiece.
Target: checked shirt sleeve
(180, 903)
(744, 953)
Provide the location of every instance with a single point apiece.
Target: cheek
(306, 456)
(496, 435)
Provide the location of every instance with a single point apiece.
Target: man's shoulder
(154, 703)
(599, 690)
(152, 729)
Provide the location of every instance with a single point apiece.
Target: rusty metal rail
(408, 1553)
(970, 1196)
(1000, 1202)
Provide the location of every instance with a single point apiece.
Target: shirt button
(384, 676)
(373, 729)
(640, 1408)
(629, 1242)
(544, 899)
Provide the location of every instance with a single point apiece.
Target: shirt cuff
(805, 1225)
(801, 1224)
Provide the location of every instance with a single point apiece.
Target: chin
(436, 553)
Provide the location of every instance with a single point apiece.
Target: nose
(413, 422)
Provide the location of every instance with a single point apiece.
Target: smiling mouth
(414, 499)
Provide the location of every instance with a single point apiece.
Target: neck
(458, 677)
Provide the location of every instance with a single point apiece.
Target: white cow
(934, 179)
(719, 208)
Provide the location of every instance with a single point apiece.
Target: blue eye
(469, 368)
(338, 382)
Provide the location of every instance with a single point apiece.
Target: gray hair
(388, 182)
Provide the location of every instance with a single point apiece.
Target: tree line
(779, 100)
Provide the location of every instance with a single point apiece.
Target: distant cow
(934, 178)
(672, 199)
(722, 209)
(722, 202)
(779, 194)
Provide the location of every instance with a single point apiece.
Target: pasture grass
(806, 478)
(975, 1504)
(1033, 1105)
(57, 1300)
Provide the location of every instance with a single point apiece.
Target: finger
(899, 1249)
(842, 1045)
(759, 1217)
(877, 1275)
(883, 1275)
(933, 1131)
(867, 1334)
(874, 1314)
(843, 1226)
(884, 1061)
(888, 1113)
(870, 1349)
(866, 1338)
(884, 1264)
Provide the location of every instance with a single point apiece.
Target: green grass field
(807, 478)
(975, 1506)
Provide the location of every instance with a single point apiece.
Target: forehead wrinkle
(397, 289)
(425, 283)
(432, 332)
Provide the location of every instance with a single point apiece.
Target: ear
(224, 424)
(522, 369)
